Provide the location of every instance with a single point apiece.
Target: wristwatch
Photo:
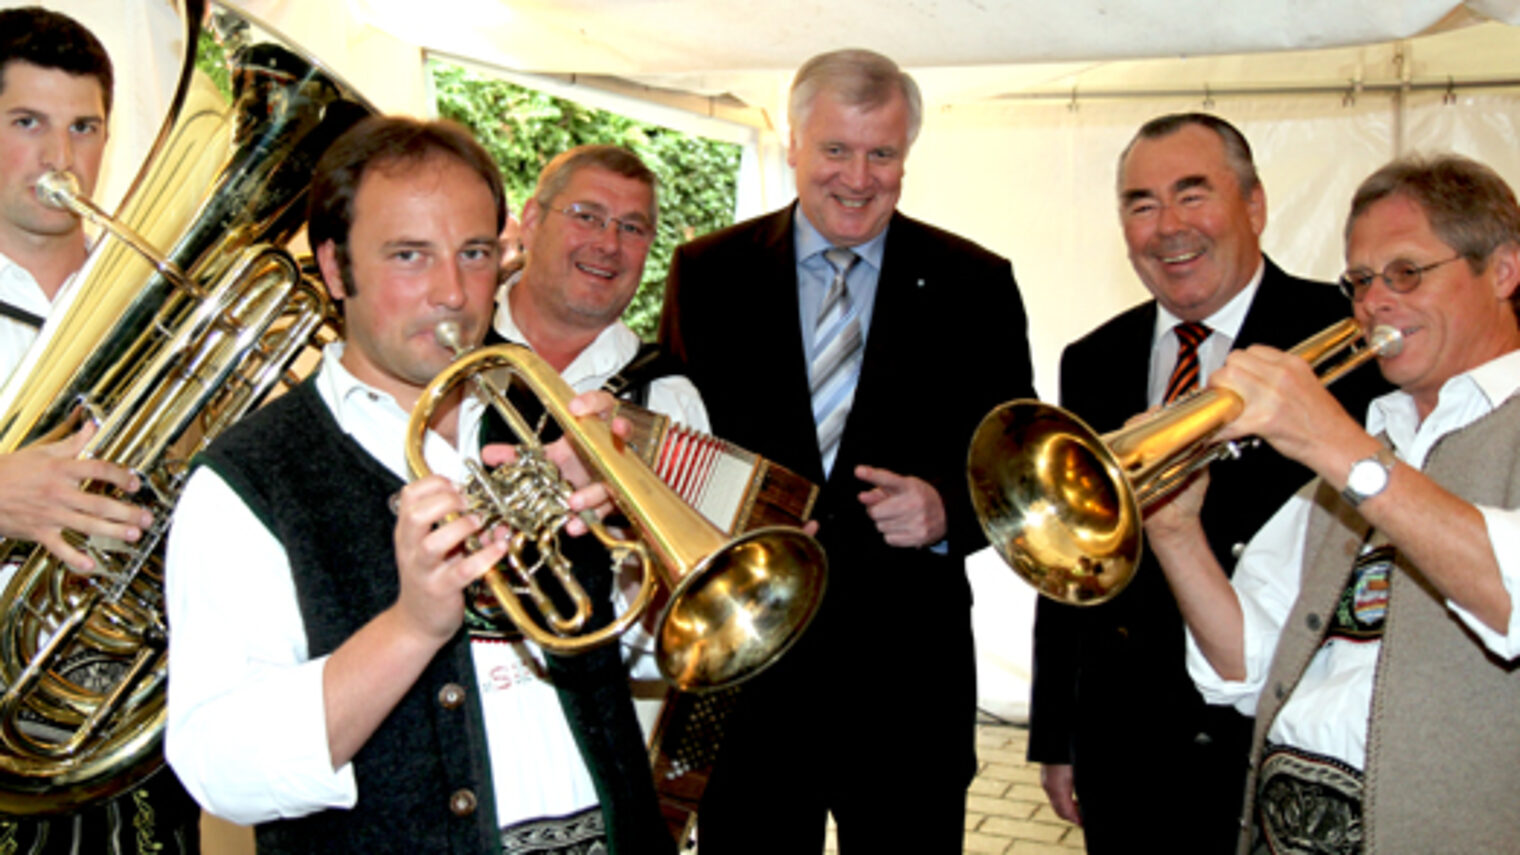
(1368, 477)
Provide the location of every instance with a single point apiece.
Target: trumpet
(734, 605)
(1063, 506)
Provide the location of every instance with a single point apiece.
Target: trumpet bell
(1054, 502)
(740, 609)
(735, 606)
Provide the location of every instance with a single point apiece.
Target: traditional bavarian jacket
(1444, 725)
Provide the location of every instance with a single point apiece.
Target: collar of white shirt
(606, 355)
(378, 423)
(1463, 399)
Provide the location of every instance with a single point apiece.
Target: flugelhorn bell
(1064, 506)
(734, 605)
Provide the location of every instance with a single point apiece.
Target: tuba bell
(1063, 506)
(186, 314)
(734, 605)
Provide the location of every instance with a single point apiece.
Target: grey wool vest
(1443, 741)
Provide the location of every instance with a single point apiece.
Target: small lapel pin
(920, 283)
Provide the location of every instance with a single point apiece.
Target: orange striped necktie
(1185, 376)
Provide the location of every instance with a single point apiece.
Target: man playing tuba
(55, 98)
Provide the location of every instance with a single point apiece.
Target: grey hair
(1470, 208)
(1237, 152)
(556, 176)
(856, 77)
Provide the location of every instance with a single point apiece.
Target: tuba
(1063, 506)
(187, 313)
(734, 605)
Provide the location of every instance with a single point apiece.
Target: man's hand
(1286, 405)
(431, 560)
(908, 511)
(42, 497)
(589, 494)
(1060, 787)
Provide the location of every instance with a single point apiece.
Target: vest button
(1279, 691)
(462, 802)
(1313, 621)
(451, 696)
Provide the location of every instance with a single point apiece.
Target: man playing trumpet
(326, 684)
(1369, 626)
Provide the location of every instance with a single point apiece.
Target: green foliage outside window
(524, 128)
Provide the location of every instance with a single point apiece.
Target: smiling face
(49, 120)
(422, 249)
(1453, 321)
(849, 162)
(578, 276)
(1192, 235)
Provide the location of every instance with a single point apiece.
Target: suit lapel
(783, 391)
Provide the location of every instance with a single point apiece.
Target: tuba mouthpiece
(57, 188)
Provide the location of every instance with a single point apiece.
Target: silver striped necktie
(836, 361)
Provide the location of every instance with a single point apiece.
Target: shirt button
(462, 802)
(1238, 549)
(451, 696)
(1313, 621)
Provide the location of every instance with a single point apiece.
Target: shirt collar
(810, 243)
(19, 287)
(612, 348)
(1463, 399)
(1230, 317)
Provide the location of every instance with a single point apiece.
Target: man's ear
(532, 217)
(332, 275)
(1256, 204)
(1505, 263)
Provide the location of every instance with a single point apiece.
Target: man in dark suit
(1127, 746)
(889, 659)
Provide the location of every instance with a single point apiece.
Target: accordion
(735, 489)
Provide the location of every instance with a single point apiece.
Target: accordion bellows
(735, 489)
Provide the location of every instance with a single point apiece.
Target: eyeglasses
(1401, 276)
(591, 220)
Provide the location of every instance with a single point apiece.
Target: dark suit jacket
(1111, 688)
(947, 343)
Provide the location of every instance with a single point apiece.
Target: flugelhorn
(734, 605)
(1064, 506)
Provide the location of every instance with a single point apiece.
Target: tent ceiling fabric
(971, 50)
(628, 37)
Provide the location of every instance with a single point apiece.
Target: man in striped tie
(859, 348)
(1192, 209)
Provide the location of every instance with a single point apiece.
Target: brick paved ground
(1006, 811)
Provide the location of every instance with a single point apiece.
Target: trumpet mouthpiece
(447, 334)
(55, 189)
(1386, 340)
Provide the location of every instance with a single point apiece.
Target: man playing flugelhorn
(326, 683)
(1369, 626)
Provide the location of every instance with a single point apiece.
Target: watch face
(1367, 477)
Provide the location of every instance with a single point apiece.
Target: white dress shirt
(19, 288)
(674, 396)
(247, 726)
(1328, 711)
